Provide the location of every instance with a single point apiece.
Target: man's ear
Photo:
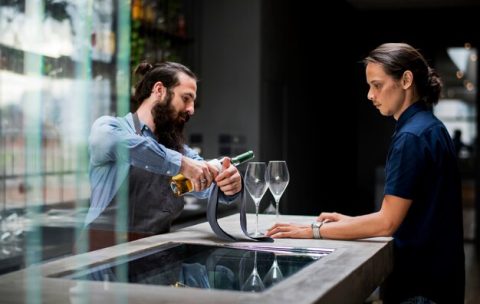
(407, 79)
(159, 90)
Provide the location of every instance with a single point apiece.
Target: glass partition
(62, 65)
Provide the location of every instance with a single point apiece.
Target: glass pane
(54, 82)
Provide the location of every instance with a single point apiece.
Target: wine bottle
(181, 185)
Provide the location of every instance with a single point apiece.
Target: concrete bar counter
(347, 275)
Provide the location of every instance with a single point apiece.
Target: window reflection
(459, 115)
(457, 109)
(57, 74)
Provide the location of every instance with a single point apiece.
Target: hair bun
(143, 68)
(434, 83)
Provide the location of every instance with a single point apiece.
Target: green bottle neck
(239, 159)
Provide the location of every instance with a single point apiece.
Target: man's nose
(190, 108)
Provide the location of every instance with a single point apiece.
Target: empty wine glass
(277, 178)
(256, 186)
(274, 275)
(253, 282)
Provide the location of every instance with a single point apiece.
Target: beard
(169, 125)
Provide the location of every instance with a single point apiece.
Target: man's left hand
(229, 181)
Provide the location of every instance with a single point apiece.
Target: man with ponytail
(422, 207)
(133, 158)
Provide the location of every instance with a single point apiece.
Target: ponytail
(433, 87)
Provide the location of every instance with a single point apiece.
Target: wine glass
(277, 178)
(254, 282)
(274, 275)
(256, 186)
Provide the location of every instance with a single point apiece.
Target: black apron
(152, 207)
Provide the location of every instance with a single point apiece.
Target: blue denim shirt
(114, 147)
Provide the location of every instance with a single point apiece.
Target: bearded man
(133, 158)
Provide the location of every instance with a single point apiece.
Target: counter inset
(202, 266)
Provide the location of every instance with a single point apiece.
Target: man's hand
(197, 172)
(229, 180)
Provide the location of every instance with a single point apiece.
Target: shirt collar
(413, 109)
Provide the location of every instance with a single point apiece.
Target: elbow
(388, 231)
(388, 228)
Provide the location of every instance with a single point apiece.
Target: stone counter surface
(347, 275)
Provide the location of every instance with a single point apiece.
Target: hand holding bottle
(197, 172)
(226, 175)
(229, 180)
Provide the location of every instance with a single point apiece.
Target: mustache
(183, 117)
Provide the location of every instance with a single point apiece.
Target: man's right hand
(197, 172)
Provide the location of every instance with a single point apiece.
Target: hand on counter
(287, 230)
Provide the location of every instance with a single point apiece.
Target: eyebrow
(190, 95)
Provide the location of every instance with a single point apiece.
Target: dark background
(311, 60)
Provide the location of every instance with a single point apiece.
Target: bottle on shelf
(181, 185)
(181, 26)
(137, 10)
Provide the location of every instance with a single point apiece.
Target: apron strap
(136, 123)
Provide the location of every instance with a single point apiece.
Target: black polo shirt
(422, 166)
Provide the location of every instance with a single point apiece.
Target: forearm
(364, 226)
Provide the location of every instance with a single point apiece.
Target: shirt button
(146, 167)
(168, 172)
